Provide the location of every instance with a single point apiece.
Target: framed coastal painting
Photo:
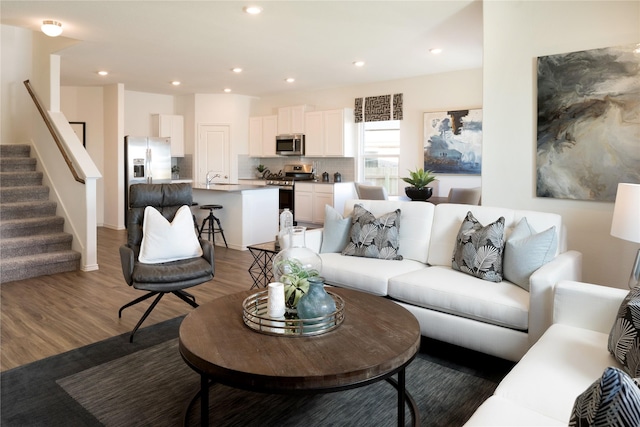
(588, 130)
(453, 142)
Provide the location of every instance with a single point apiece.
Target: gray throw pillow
(373, 237)
(335, 235)
(624, 338)
(526, 251)
(612, 400)
(478, 249)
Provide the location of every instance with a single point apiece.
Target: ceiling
(147, 44)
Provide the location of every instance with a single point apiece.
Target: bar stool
(211, 230)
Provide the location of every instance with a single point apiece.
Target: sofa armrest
(566, 266)
(127, 262)
(587, 306)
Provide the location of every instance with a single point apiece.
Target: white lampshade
(626, 213)
(51, 28)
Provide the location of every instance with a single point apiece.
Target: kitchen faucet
(211, 178)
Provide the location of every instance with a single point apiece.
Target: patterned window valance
(378, 108)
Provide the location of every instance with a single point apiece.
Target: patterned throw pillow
(372, 237)
(624, 339)
(478, 249)
(612, 400)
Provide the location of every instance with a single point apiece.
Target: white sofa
(541, 389)
(500, 319)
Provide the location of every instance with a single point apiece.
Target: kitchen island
(249, 216)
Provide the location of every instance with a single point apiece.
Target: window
(380, 154)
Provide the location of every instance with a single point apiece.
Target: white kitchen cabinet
(311, 198)
(291, 119)
(262, 136)
(330, 133)
(171, 126)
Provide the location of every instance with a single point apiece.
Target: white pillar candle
(275, 300)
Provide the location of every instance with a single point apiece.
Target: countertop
(230, 188)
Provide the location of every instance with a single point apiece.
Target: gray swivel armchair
(167, 277)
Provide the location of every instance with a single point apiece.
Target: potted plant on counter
(419, 179)
(261, 168)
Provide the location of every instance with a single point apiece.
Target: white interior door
(213, 153)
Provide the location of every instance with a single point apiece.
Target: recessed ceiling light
(252, 10)
(51, 28)
(175, 83)
(227, 90)
(237, 70)
(359, 63)
(289, 80)
(435, 50)
(103, 73)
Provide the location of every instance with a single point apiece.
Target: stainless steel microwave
(290, 145)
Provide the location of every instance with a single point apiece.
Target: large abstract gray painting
(453, 142)
(588, 123)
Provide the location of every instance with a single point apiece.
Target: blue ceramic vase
(316, 303)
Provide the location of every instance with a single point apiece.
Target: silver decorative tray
(254, 315)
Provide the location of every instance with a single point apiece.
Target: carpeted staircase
(32, 242)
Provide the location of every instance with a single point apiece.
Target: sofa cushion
(448, 216)
(164, 241)
(479, 248)
(446, 290)
(417, 220)
(526, 251)
(557, 368)
(612, 400)
(365, 274)
(336, 231)
(497, 411)
(373, 237)
(624, 338)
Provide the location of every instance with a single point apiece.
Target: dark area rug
(147, 383)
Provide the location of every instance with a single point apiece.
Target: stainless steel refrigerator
(146, 160)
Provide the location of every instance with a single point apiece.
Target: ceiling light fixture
(289, 80)
(435, 50)
(175, 83)
(359, 63)
(237, 70)
(103, 73)
(252, 10)
(227, 90)
(51, 28)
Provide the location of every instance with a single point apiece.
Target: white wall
(515, 34)
(440, 92)
(15, 68)
(138, 109)
(85, 104)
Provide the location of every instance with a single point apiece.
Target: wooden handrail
(53, 132)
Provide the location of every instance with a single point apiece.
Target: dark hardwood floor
(49, 315)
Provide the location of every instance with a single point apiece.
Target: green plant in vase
(295, 278)
(419, 179)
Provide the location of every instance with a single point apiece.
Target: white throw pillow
(526, 251)
(335, 235)
(163, 241)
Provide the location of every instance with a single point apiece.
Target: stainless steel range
(285, 181)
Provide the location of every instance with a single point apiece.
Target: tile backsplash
(345, 165)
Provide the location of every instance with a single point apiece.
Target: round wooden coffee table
(377, 340)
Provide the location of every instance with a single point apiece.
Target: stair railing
(54, 134)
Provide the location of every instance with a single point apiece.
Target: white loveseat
(541, 389)
(500, 319)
